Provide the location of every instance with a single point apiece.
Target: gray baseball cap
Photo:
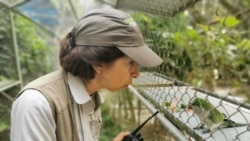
(112, 27)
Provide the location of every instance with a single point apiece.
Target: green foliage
(7, 54)
(192, 53)
(33, 54)
(34, 51)
(110, 128)
(4, 115)
(229, 21)
(159, 33)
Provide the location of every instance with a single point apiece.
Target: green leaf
(204, 27)
(245, 44)
(3, 126)
(229, 21)
(192, 33)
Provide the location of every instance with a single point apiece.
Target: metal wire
(186, 120)
(166, 8)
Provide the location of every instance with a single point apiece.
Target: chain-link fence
(171, 97)
(202, 87)
(205, 49)
(167, 8)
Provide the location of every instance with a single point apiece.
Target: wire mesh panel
(8, 66)
(202, 86)
(157, 7)
(8, 62)
(177, 103)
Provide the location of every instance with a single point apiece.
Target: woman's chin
(117, 89)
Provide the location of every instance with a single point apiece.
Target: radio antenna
(140, 126)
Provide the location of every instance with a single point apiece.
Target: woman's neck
(91, 86)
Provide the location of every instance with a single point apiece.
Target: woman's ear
(97, 68)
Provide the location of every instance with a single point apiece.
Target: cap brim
(143, 55)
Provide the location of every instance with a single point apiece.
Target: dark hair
(78, 60)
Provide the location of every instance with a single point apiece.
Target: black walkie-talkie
(137, 137)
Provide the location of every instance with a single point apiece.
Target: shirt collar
(79, 91)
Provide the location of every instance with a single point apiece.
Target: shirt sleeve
(31, 118)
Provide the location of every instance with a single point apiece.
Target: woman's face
(118, 75)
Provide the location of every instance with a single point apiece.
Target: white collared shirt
(81, 96)
(37, 120)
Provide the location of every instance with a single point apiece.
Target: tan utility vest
(56, 90)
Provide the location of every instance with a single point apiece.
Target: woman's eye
(132, 62)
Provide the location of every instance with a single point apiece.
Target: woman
(101, 52)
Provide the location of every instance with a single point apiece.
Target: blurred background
(204, 44)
